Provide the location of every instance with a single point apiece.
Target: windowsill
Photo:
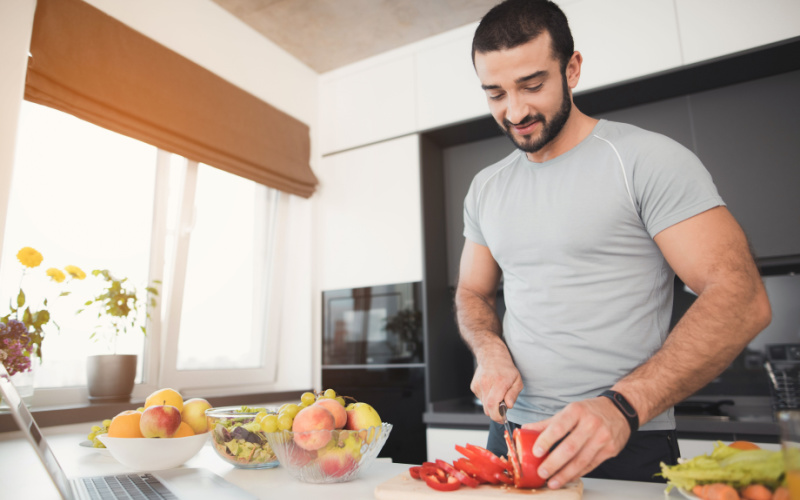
(48, 416)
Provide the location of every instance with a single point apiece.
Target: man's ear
(573, 70)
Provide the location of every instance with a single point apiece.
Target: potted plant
(121, 309)
(22, 329)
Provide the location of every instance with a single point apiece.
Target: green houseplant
(121, 309)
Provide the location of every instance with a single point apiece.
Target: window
(85, 196)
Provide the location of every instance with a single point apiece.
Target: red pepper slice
(462, 478)
(484, 469)
(488, 456)
(414, 471)
(529, 464)
(449, 484)
(468, 468)
(513, 455)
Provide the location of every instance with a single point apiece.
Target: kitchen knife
(512, 452)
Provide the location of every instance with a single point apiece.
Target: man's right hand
(496, 379)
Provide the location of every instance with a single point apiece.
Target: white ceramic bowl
(342, 459)
(144, 454)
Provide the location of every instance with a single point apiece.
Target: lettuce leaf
(727, 465)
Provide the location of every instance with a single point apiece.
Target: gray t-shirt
(588, 294)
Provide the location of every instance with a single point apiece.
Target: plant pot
(111, 377)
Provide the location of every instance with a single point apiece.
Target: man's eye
(535, 88)
(496, 97)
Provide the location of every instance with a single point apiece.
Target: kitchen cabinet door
(448, 90)
(623, 39)
(442, 442)
(367, 102)
(368, 216)
(712, 28)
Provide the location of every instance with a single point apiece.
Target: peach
(312, 427)
(336, 409)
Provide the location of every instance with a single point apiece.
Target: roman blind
(88, 64)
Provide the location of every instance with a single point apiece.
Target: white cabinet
(367, 102)
(623, 39)
(442, 442)
(368, 216)
(712, 28)
(448, 90)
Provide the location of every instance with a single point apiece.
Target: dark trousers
(638, 461)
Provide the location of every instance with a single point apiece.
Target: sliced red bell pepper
(449, 484)
(504, 478)
(414, 472)
(484, 469)
(468, 468)
(463, 478)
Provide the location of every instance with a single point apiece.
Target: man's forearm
(703, 343)
(477, 321)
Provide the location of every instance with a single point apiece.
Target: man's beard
(550, 129)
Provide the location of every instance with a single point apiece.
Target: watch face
(619, 398)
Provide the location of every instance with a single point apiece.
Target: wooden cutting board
(403, 487)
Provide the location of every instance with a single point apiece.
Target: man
(587, 223)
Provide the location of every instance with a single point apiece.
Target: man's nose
(516, 109)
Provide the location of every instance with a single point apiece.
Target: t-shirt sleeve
(472, 228)
(671, 185)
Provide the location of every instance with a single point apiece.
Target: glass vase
(23, 381)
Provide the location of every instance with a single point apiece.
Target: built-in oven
(373, 350)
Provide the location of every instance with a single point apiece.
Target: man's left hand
(593, 430)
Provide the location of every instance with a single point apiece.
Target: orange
(744, 445)
(183, 430)
(126, 425)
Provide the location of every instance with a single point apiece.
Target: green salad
(732, 466)
(240, 440)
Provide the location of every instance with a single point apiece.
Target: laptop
(177, 483)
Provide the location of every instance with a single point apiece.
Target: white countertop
(23, 476)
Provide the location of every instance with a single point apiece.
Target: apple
(335, 461)
(312, 427)
(194, 414)
(160, 421)
(361, 416)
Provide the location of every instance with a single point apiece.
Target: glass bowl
(238, 439)
(345, 454)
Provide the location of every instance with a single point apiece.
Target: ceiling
(328, 34)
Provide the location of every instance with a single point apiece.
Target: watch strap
(627, 410)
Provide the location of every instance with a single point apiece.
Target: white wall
(205, 33)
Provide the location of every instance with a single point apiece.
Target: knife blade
(512, 452)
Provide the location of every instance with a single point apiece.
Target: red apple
(335, 461)
(160, 421)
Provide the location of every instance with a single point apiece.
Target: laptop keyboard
(130, 486)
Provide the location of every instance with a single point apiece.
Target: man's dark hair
(516, 22)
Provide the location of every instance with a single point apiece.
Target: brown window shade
(90, 65)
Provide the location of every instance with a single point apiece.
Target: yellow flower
(75, 272)
(29, 257)
(56, 275)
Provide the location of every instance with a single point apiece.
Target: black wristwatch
(628, 411)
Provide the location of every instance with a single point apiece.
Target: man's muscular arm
(496, 378)
(709, 252)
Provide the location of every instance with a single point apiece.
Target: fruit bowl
(345, 454)
(237, 437)
(142, 454)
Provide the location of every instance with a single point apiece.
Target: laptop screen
(32, 432)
